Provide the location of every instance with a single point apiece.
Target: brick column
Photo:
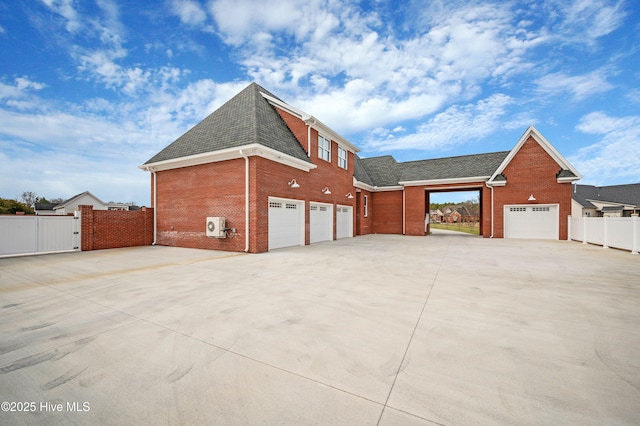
(86, 216)
(415, 210)
(148, 225)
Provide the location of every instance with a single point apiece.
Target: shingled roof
(622, 194)
(245, 119)
(386, 171)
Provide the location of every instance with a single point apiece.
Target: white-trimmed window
(324, 148)
(342, 158)
(366, 205)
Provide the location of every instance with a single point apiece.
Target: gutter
(246, 200)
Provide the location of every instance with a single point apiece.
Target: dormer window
(324, 148)
(342, 158)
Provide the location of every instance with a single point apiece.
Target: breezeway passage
(377, 329)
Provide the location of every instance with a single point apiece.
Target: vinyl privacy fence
(20, 235)
(616, 232)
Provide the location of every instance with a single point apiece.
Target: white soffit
(230, 154)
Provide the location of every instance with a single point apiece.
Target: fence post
(584, 230)
(569, 228)
(634, 229)
(605, 223)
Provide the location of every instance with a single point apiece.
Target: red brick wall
(298, 128)
(188, 195)
(387, 212)
(415, 210)
(364, 224)
(104, 229)
(531, 171)
(273, 181)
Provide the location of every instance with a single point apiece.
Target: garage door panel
(344, 222)
(286, 223)
(320, 222)
(531, 221)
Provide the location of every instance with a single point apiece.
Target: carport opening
(456, 210)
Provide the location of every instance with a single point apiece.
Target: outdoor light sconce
(294, 184)
(532, 198)
(349, 196)
(326, 191)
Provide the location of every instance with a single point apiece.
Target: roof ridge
(455, 157)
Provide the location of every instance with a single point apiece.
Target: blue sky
(91, 89)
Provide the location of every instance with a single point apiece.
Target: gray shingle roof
(246, 118)
(382, 171)
(453, 167)
(359, 171)
(45, 206)
(385, 171)
(623, 194)
(566, 173)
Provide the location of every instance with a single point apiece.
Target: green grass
(459, 227)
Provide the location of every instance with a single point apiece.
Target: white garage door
(320, 222)
(344, 222)
(531, 221)
(286, 223)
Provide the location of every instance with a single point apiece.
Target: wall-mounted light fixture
(349, 195)
(532, 198)
(294, 184)
(326, 191)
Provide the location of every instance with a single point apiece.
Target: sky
(91, 89)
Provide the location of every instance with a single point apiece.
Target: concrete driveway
(371, 330)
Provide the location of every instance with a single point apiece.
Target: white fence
(20, 235)
(617, 232)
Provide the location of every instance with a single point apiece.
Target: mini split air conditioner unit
(216, 227)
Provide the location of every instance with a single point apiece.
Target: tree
(29, 198)
(13, 206)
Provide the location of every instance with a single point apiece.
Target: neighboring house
(457, 214)
(436, 216)
(280, 177)
(86, 198)
(70, 206)
(44, 208)
(602, 201)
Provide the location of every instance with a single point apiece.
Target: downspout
(309, 139)
(246, 201)
(404, 230)
(491, 188)
(155, 207)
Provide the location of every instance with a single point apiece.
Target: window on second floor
(342, 158)
(324, 148)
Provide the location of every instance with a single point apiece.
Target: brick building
(280, 177)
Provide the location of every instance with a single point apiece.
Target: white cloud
(584, 21)
(21, 88)
(65, 9)
(580, 87)
(615, 158)
(363, 76)
(457, 125)
(238, 20)
(98, 145)
(190, 12)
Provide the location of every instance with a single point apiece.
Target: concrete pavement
(379, 329)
